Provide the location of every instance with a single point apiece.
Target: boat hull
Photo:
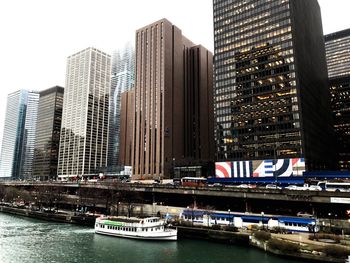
(166, 236)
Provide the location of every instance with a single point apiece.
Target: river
(25, 240)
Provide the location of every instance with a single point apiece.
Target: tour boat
(150, 228)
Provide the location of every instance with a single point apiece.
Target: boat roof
(122, 219)
(125, 219)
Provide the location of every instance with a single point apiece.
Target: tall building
(48, 133)
(338, 61)
(271, 91)
(123, 78)
(19, 135)
(84, 133)
(338, 53)
(127, 107)
(29, 134)
(172, 102)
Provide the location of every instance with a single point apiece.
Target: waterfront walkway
(300, 238)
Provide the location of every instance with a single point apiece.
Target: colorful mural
(262, 168)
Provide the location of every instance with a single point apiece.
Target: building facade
(84, 133)
(19, 135)
(48, 133)
(271, 95)
(338, 61)
(167, 82)
(123, 78)
(127, 106)
(29, 134)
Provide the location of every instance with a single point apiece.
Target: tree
(11, 193)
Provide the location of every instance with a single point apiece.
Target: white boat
(150, 228)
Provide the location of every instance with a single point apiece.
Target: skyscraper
(84, 133)
(123, 78)
(172, 102)
(338, 61)
(19, 135)
(48, 133)
(271, 94)
(29, 134)
(338, 53)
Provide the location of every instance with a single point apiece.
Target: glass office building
(29, 134)
(338, 53)
(271, 94)
(48, 133)
(122, 79)
(338, 61)
(19, 135)
(84, 133)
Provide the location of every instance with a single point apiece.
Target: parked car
(177, 181)
(272, 186)
(156, 181)
(315, 188)
(246, 186)
(216, 185)
(303, 214)
(296, 187)
(292, 187)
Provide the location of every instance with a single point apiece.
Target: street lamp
(174, 167)
(229, 218)
(262, 220)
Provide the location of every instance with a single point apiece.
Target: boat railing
(133, 224)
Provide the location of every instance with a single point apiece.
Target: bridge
(322, 204)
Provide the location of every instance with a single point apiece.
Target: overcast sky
(38, 35)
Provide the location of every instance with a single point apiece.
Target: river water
(25, 240)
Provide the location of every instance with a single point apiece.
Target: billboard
(260, 168)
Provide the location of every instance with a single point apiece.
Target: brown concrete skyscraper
(173, 97)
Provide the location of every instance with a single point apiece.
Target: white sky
(38, 35)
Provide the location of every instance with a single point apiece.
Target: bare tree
(11, 194)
